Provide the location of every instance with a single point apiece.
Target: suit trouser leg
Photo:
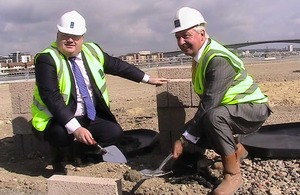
(105, 132)
(57, 135)
(219, 127)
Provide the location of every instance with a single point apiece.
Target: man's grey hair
(199, 28)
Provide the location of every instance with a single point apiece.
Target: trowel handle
(101, 148)
(165, 161)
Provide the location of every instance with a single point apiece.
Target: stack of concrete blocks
(25, 141)
(177, 104)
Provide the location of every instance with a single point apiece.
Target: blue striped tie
(90, 109)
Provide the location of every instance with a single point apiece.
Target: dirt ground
(135, 107)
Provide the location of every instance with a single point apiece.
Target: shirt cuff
(190, 137)
(72, 125)
(146, 78)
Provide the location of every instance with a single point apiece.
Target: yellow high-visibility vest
(243, 88)
(95, 60)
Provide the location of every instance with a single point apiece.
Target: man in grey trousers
(231, 102)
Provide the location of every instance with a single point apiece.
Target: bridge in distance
(239, 45)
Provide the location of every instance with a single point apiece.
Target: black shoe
(58, 156)
(87, 161)
(85, 155)
(59, 168)
(78, 162)
(95, 158)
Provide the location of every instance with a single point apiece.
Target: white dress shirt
(73, 124)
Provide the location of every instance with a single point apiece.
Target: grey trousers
(219, 126)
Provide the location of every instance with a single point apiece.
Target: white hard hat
(186, 18)
(72, 23)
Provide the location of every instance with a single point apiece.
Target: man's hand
(177, 149)
(83, 135)
(157, 81)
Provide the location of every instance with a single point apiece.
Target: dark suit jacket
(47, 82)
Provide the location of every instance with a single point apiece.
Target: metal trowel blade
(154, 173)
(114, 155)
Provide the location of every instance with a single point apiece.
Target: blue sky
(126, 26)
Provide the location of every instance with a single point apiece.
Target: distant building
(291, 48)
(142, 57)
(16, 57)
(20, 57)
(16, 63)
(144, 52)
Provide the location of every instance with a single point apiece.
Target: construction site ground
(134, 105)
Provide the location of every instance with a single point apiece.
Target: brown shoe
(232, 176)
(241, 152)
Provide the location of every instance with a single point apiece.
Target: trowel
(157, 172)
(112, 154)
(109, 154)
(148, 173)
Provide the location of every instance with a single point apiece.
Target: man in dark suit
(70, 98)
(231, 102)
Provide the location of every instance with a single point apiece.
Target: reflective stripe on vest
(95, 61)
(243, 88)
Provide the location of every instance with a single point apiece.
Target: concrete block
(175, 135)
(190, 113)
(176, 113)
(21, 86)
(70, 185)
(165, 142)
(174, 119)
(162, 95)
(5, 102)
(178, 72)
(195, 98)
(163, 119)
(21, 96)
(179, 92)
(25, 141)
(15, 104)
(25, 101)
(170, 119)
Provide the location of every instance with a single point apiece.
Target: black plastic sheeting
(271, 141)
(138, 142)
(274, 141)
